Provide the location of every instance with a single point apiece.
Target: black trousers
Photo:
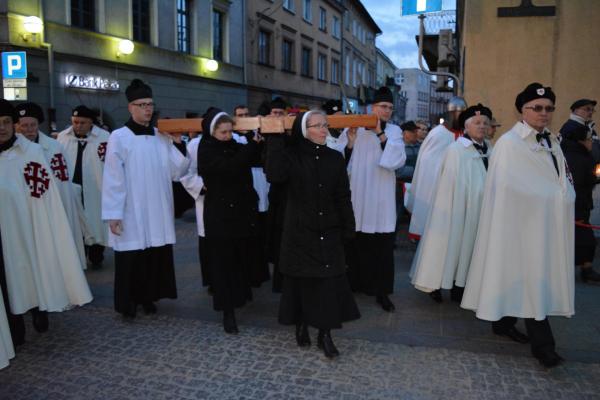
(95, 253)
(540, 332)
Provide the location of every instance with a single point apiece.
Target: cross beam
(267, 125)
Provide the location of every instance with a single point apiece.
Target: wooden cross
(267, 125)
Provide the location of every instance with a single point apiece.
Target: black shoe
(436, 295)
(590, 275)
(514, 334)
(229, 324)
(149, 308)
(548, 359)
(385, 303)
(131, 311)
(302, 336)
(325, 343)
(40, 320)
(456, 293)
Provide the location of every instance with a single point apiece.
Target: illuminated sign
(411, 7)
(91, 82)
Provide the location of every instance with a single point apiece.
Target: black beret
(31, 110)
(7, 109)
(278, 102)
(534, 91)
(409, 126)
(332, 106)
(583, 102)
(472, 111)
(83, 111)
(138, 90)
(383, 94)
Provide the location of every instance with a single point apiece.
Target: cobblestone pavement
(422, 351)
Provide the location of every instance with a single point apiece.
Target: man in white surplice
(137, 202)
(444, 252)
(373, 157)
(523, 260)
(84, 147)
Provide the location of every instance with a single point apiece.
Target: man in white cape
(427, 169)
(137, 202)
(42, 270)
(374, 156)
(84, 147)
(523, 260)
(444, 253)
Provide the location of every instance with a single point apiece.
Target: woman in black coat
(577, 147)
(230, 211)
(318, 220)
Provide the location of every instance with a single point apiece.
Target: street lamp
(212, 65)
(126, 47)
(33, 25)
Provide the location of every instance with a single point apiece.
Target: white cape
(137, 188)
(7, 350)
(193, 183)
(41, 262)
(424, 180)
(92, 169)
(445, 250)
(523, 261)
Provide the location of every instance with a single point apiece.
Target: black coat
(231, 203)
(582, 167)
(318, 213)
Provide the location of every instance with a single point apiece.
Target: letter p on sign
(14, 65)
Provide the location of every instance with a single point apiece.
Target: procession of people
(501, 224)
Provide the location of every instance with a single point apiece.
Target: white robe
(137, 188)
(523, 261)
(444, 253)
(41, 262)
(424, 180)
(70, 193)
(259, 180)
(7, 350)
(92, 167)
(193, 183)
(373, 178)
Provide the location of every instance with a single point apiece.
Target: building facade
(416, 88)
(175, 46)
(386, 76)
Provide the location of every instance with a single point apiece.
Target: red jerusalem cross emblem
(36, 178)
(102, 151)
(59, 167)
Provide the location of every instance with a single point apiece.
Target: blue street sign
(14, 65)
(411, 7)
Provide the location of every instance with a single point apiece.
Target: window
(289, 5)
(336, 27)
(183, 26)
(322, 19)
(306, 61)
(348, 65)
(83, 14)
(264, 47)
(307, 11)
(287, 55)
(347, 20)
(335, 71)
(322, 67)
(141, 20)
(218, 22)
(354, 28)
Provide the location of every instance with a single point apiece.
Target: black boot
(436, 295)
(589, 275)
(385, 303)
(229, 323)
(325, 343)
(548, 358)
(456, 293)
(149, 308)
(40, 320)
(302, 336)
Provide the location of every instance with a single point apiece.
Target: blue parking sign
(14, 65)
(411, 7)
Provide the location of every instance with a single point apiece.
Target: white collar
(577, 118)
(464, 141)
(524, 129)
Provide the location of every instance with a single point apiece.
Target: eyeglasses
(319, 126)
(143, 106)
(539, 109)
(589, 109)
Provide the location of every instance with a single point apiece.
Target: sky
(398, 38)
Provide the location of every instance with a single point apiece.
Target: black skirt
(323, 303)
(371, 263)
(144, 276)
(203, 256)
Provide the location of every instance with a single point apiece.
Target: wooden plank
(179, 126)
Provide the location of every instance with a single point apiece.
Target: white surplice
(193, 183)
(137, 188)
(7, 351)
(424, 180)
(523, 260)
(92, 167)
(373, 178)
(43, 268)
(444, 253)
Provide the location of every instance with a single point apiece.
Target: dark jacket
(571, 126)
(318, 213)
(582, 167)
(231, 203)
